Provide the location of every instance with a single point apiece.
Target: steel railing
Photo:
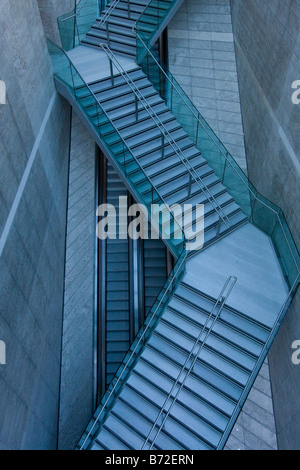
(193, 356)
(111, 7)
(77, 12)
(106, 15)
(128, 149)
(166, 135)
(216, 143)
(150, 322)
(108, 12)
(147, 177)
(74, 25)
(103, 20)
(257, 367)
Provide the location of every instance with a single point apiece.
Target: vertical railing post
(172, 92)
(224, 172)
(107, 33)
(74, 33)
(77, 30)
(128, 6)
(197, 132)
(252, 211)
(124, 160)
(136, 109)
(73, 82)
(148, 72)
(111, 71)
(101, 113)
(98, 120)
(219, 227)
(190, 185)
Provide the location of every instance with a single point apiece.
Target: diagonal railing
(194, 176)
(193, 356)
(134, 352)
(65, 71)
(74, 25)
(111, 7)
(260, 211)
(259, 363)
(77, 11)
(160, 12)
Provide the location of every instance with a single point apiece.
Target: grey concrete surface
(49, 11)
(267, 40)
(285, 378)
(247, 254)
(93, 64)
(76, 398)
(202, 59)
(255, 427)
(34, 151)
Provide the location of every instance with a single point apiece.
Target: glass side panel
(150, 21)
(129, 361)
(128, 164)
(74, 25)
(261, 212)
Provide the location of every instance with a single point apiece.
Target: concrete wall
(202, 59)
(50, 10)
(77, 376)
(285, 378)
(267, 40)
(34, 151)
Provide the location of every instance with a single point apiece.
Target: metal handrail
(140, 166)
(259, 363)
(108, 12)
(133, 352)
(222, 299)
(139, 95)
(76, 13)
(134, 29)
(124, 143)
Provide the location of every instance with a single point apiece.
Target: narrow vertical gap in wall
(100, 286)
(163, 48)
(96, 286)
(141, 294)
(236, 53)
(132, 279)
(170, 262)
(63, 300)
(136, 288)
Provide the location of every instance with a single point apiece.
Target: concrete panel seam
(19, 194)
(270, 110)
